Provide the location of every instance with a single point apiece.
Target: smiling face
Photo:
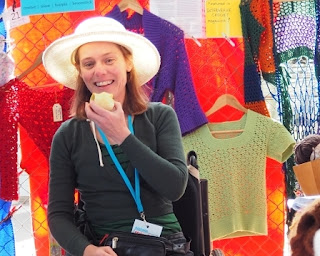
(103, 68)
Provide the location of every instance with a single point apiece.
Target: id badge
(146, 228)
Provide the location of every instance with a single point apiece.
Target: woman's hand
(92, 250)
(112, 123)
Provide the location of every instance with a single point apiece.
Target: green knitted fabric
(235, 169)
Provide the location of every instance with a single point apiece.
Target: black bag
(130, 244)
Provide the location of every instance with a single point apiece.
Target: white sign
(13, 18)
(188, 15)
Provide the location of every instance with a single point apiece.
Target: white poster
(188, 15)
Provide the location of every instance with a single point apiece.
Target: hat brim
(57, 57)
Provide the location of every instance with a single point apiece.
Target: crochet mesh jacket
(174, 74)
(235, 170)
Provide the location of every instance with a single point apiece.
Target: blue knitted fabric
(252, 81)
(7, 245)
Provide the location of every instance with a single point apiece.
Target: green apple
(103, 99)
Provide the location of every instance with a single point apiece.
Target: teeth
(103, 83)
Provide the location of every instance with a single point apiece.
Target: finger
(117, 107)
(109, 250)
(91, 113)
(96, 108)
(88, 109)
(117, 104)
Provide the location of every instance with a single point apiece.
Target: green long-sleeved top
(155, 150)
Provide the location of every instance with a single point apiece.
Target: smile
(104, 83)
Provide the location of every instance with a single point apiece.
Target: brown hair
(304, 148)
(135, 101)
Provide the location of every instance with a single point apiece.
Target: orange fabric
(259, 107)
(262, 12)
(217, 68)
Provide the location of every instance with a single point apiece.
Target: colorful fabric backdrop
(217, 67)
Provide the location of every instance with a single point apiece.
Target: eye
(109, 60)
(87, 64)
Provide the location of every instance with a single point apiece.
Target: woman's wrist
(89, 250)
(125, 135)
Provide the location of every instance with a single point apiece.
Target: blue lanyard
(135, 193)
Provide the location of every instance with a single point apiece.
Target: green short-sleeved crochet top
(235, 170)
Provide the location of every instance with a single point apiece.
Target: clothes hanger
(34, 65)
(135, 6)
(222, 101)
(130, 4)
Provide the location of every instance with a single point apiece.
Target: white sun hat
(57, 58)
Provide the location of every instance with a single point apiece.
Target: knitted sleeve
(281, 143)
(169, 158)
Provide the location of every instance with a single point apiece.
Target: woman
(102, 56)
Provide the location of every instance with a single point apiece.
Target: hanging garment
(174, 74)
(235, 170)
(32, 110)
(259, 57)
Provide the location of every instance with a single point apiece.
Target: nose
(100, 69)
